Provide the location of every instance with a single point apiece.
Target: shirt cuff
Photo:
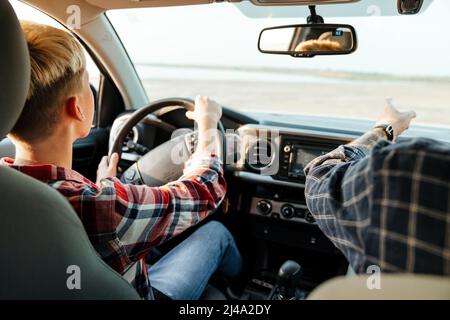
(202, 161)
(344, 153)
(355, 153)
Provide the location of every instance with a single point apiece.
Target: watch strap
(388, 130)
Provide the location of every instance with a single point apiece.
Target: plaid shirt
(389, 206)
(124, 222)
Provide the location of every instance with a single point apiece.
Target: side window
(26, 12)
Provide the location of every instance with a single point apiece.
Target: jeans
(184, 272)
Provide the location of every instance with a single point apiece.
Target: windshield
(212, 50)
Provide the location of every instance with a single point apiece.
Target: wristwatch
(388, 130)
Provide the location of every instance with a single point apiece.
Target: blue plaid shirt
(388, 206)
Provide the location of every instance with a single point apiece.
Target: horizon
(318, 72)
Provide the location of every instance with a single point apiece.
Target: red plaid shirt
(124, 222)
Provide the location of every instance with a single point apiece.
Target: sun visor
(124, 4)
(285, 9)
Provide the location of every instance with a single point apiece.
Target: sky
(220, 34)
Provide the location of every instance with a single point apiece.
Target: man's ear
(73, 109)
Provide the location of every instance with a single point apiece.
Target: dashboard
(273, 159)
(269, 159)
(264, 167)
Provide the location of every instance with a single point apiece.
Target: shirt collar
(46, 172)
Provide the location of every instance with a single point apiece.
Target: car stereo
(295, 155)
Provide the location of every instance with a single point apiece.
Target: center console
(286, 285)
(294, 154)
(279, 226)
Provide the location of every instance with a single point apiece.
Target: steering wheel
(157, 167)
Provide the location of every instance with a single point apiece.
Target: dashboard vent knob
(287, 211)
(264, 207)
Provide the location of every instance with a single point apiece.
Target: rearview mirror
(308, 40)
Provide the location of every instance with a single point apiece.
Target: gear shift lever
(288, 279)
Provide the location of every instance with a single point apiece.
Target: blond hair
(319, 45)
(57, 66)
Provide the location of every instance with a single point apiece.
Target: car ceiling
(356, 8)
(99, 6)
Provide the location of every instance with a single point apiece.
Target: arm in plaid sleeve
(338, 187)
(147, 216)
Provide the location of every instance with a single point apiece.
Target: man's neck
(55, 151)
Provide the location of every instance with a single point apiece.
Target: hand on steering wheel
(207, 112)
(157, 167)
(206, 115)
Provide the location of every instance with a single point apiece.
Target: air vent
(260, 155)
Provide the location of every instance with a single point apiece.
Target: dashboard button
(287, 149)
(310, 218)
(264, 207)
(287, 211)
